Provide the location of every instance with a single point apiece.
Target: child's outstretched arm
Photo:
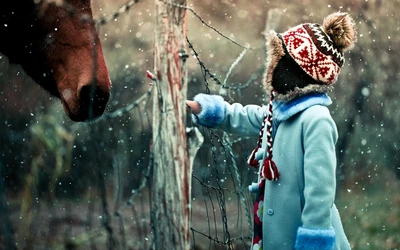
(213, 112)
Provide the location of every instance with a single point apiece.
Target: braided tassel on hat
(268, 170)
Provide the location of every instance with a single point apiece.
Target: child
(295, 153)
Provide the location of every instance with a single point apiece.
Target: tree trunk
(172, 168)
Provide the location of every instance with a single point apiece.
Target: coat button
(270, 211)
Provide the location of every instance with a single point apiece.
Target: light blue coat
(299, 211)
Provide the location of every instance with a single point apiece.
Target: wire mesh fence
(110, 206)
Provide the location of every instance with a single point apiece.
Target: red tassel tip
(270, 171)
(252, 162)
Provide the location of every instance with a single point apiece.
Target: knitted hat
(308, 57)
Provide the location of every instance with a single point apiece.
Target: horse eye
(49, 39)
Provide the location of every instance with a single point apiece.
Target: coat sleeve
(232, 118)
(319, 140)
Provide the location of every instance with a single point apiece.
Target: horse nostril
(84, 93)
(93, 100)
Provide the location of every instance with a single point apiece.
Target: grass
(370, 210)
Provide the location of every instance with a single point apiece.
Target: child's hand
(193, 106)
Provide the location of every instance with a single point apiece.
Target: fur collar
(284, 110)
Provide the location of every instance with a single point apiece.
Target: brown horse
(56, 44)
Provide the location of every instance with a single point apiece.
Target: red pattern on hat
(313, 53)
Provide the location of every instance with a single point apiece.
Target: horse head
(56, 43)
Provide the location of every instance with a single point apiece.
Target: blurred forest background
(53, 171)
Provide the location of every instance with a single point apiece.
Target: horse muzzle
(88, 103)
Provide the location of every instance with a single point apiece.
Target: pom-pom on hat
(308, 57)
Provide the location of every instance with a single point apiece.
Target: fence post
(171, 185)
